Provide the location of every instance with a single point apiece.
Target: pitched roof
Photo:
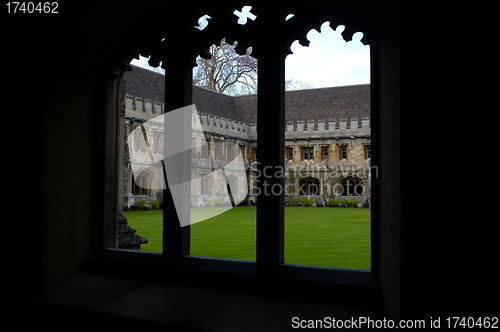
(145, 83)
(342, 102)
(150, 85)
(216, 103)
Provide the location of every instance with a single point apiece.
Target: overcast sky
(327, 61)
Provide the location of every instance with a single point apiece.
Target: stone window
(205, 150)
(206, 185)
(325, 152)
(141, 184)
(218, 150)
(309, 186)
(270, 239)
(352, 187)
(138, 141)
(253, 154)
(158, 139)
(343, 152)
(241, 155)
(367, 151)
(233, 184)
(308, 153)
(229, 152)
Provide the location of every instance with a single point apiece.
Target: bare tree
(227, 71)
(292, 84)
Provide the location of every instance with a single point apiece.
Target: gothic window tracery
(271, 53)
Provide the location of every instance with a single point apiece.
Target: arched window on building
(206, 185)
(233, 184)
(138, 141)
(205, 150)
(309, 186)
(158, 138)
(229, 152)
(142, 185)
(352, 186)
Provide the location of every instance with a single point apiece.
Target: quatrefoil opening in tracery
(244, 15)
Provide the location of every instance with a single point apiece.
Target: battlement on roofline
(220, 125)
(144, 110)
(358, 127)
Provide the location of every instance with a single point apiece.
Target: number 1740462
(15, 7)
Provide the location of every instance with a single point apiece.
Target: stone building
(327, 143)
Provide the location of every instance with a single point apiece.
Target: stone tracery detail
(286, 29)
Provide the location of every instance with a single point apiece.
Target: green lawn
(335, 237)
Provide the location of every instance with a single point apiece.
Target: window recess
(271, 54)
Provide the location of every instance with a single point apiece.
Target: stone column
(128, 196)
(126, 236)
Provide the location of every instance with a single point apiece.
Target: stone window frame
(307, 151)
(253, 154)
(289, 153)
(219, 150)
(205, 150)
(138, 141)
(230, 146)
(305, 186)
(270, 242)
(343, 150)
(367, 151)
(348, 184)
(157, 142)
(206, 183)
(325, 152)
(242, 154)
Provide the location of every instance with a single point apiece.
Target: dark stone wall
(63, 231)
(55, 82)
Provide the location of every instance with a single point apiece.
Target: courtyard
(328, 237)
